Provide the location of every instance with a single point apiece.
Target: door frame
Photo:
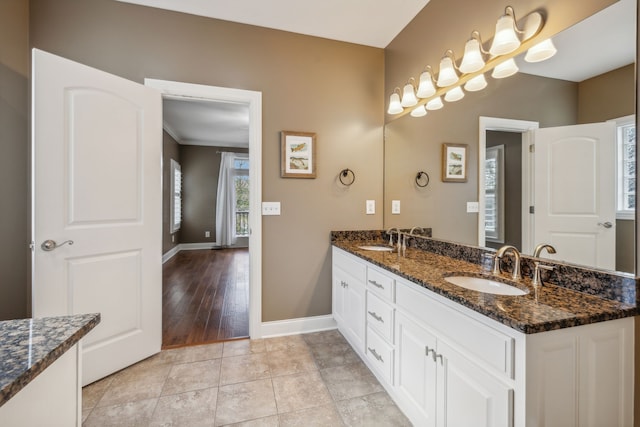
(523, 127)
(189, 91)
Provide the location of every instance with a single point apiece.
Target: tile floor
(302, 380)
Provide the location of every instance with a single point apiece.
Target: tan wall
(308, 84)
(14, 139)
(608, 96)
(170, 150)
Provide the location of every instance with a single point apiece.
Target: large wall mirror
(590, 81)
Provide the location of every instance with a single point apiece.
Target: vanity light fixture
(419, 111)
(505, 69)
(426, 88)
(455, 94)
(409, 94)
(394, 102)
(506, 38)
(508, 42)
(448, 74)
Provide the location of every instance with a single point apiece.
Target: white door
(575, 192)
(96, 174)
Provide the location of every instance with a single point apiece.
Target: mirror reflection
(586, 91)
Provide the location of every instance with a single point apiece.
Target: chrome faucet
(390, 233)
(542, 246)
(516, 260)
(421, 230)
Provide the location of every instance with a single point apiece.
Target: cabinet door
(339, 296)
(415, 372)
(355, 312)
(468, 395)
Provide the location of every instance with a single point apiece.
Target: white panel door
(575, 192)
(96, 173)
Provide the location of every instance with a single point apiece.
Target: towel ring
(344, 175)
(422, 179)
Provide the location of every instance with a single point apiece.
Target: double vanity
(452, 354)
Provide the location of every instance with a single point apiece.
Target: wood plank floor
(205, 297)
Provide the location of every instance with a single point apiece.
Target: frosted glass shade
(435, 104)
(505, 40)
(455, 94)
(419, 111)
(506, 69)
(475, 84)
(472, 60)
(447, 75)
(394, 104)
(426, 87)
(408, 96)
(540, 52)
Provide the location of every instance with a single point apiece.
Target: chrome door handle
(49, 245)
(606, 224)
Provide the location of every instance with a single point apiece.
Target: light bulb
(505, 69)
(540, 52)
(394, 104)
(447, 75)
(475, 84)
(426, 87)
(419, 111)
(408, 96)
(435, 104)
(505, 40)
(455, 94)
(472, 60)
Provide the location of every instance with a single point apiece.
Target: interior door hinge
(532, 148)
(532, 209)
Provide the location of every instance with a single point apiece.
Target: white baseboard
(186, 247)
(170, 253)
(301, 325)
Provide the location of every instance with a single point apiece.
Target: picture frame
(454, 162)
(298, 155)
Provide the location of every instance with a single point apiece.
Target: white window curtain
(226, 200)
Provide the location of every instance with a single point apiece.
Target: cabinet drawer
(380, 283)
(380, 316)
(481, 342)
(349, 264)
(380, 354)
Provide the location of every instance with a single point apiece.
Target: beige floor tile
(374, 410)
(190, 409)
(271, 421)
(193, 353)
(325, 337)
(245, 401)
(92, 393)
(321, 416)
(192, 376)
(243, 347)
(244, 368)
(329, 355)
(287, 362)
(148, 371)
(291, 342)
(347, 381)
(118, 394)
(134, 414)
(300, 391)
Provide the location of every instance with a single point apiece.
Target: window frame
(175, 197)
(621, 212)
(496, 236)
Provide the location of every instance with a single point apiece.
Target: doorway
(187, 91)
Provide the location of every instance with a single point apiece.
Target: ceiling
(599, 39)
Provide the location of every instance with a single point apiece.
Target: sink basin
(376, 248)
(485, 285)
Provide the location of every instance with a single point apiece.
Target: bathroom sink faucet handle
(537, 273)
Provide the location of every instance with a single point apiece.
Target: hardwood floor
(205, 297)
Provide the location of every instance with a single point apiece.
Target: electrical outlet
(371, 207)
(473, 207)
(395, 207)
(270, 208)
(207, 234)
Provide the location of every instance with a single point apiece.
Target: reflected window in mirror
(494, 194)
(626, 167)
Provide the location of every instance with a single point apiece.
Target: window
(176, 197)
(626, 167)
(494, 194)
(241, 189)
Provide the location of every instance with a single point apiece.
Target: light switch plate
(270, 208)
(472, 207)
(371, 207)
(395, 207)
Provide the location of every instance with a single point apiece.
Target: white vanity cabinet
(349, 275)
(447, 365)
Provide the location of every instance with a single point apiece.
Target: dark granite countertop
(547, 308)
(29, 346)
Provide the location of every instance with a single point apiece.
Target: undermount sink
(376, 248)
(485, 285)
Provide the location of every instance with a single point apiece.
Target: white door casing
(96, 180)
(575, 192)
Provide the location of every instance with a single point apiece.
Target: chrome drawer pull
(376, 284)
(375, 316)
(375, 354)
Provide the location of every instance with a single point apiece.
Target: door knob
(49, 245)
(606, 224)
